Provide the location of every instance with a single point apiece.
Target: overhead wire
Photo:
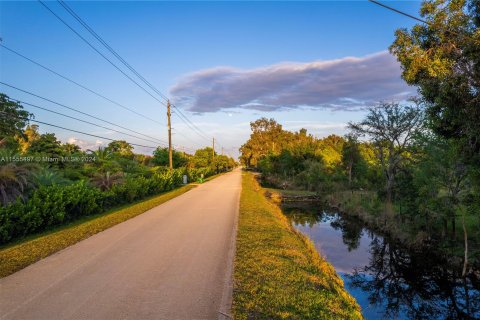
(84, 121)
(79, 111)
(76, 131)
(184, 118)
(78, 84)
(98, 51)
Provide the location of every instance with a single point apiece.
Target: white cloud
(343, 84)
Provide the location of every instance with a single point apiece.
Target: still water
(389, 281)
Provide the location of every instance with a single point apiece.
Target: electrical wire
(184, 118)
(76, 110)
(84, 121)
(79, 85)
(76, 131)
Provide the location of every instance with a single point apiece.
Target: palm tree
(14, 180)
(106, 181)
(48, 177)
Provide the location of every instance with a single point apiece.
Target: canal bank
(388, 280)
(278, 274)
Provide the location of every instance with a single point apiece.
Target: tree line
(44, 182)
(415, 165)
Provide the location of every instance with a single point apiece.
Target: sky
(314, 65)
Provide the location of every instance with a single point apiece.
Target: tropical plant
(107, 180)
(14, 180)
(48, 177)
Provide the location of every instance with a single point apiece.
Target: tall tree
(442, 58)
(121, 147)
(160, 158)
(12, 118)
(47, 144)
(29, 136)
(391, 128)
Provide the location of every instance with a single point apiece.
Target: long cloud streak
(343, 84)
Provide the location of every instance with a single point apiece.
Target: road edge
(227, 295)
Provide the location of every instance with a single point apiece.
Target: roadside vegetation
(278, 273)
(20, 254)
(410, 169)
(45, 183)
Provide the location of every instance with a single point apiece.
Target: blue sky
(306, 64)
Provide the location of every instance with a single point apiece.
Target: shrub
(54, 204)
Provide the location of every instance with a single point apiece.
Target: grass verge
(22, 253)
(278, 272)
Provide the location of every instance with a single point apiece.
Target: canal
(388, 280)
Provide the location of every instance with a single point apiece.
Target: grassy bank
(278, 272)
(20, 254)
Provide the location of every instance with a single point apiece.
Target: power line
(422, 21)
(78, 84)
(125, 63)
(84, 121)
(76, 110)
(76, 131)
(108, 47)
(400, 12)
(96, 50)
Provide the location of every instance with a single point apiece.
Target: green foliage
(121, 148)
(20, 255)
(12, 117)
(48, 206)
(35, 197)
(278, 272)
(48, 145)
(160, 158)
(55, 204)
(442, 58)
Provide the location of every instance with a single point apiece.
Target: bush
(54, 205)
(48, 206)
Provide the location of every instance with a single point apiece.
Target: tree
(442, 58)
(47, 144)
(267, 137)
(160, 158)
(203, 158)
(106, 180)
(71, 148)
(12, 118)
(14, 179)
(392, 128)
(352, 159)
(29, 136)
(121, 147)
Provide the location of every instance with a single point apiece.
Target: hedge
(55, 205)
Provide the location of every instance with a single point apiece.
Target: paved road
(172, 262)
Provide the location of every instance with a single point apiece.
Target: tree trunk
(350, 174)
(454, 234)
(389, 191)
(465, 239)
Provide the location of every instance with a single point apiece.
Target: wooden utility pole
(169, 136)
(213, 149)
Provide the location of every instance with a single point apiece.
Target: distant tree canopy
(392, 128)
(121, 147)
(160, 157)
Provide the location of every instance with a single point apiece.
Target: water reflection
(388, 280)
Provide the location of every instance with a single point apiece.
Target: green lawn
(24, 252)
(278, 272)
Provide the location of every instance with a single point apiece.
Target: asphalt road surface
(172, 262)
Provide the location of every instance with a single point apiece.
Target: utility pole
(169, 136)
(222, 151)
(213, 149)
